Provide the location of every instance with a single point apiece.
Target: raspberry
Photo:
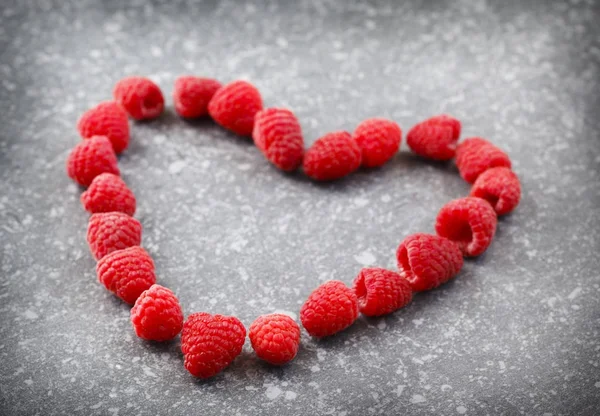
(475, 155)
(108, 192)
(275, 338)
(126, 273)
(435, 138)
(192, 95)
(332, 156)
(106, 119)
(140, 97)
(469, 222)
(211, 342)
(112, 231)
(234, 106)
(381, 291)
(427, 260)
(379, 140)
(277, 133)
(90, 158)
(330, 308)
(500, 187)
(156, 315)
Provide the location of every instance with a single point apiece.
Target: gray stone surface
(516, 333)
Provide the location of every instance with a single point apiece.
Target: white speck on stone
(399, 390)
(386, 198)
(29, 382)
(290, 395)
(574, 293)
(461, 410)
(30, 315)
(243, 274)
(381, 325)
(273, 392)
(418, 322)
(360, 202)
(365, 258)
(160, 139)
(417, 398)
(315, 369)
(177, 166)
(156, 51)
(148, 371)
(597, 384)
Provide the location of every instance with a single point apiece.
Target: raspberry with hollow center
(476, 155)
(210, 343)
(427, 260)
(107, 193)
(192, 95)
(156, 315)
(275, 338)
(278, 135)
(332, 156)
(435, 138)
(380, 291)
(140, 97)
(379, 140)
(500, 187)
(234, 106)
(107, 119)
(91, 158)
(126, 273)
(470, 222)
(330, 308)
(112, 231)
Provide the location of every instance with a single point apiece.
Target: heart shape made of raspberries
(465, 227)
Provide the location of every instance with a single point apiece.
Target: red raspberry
(234, 106)
(90, 158)
(435, 138)
(112, 231)
(106, 119)
(126, 273)
(140, 97)
(476, 155)
(381, 291)
(469, 222)
(427, 260)
(107, 193)
(330, 308)
(332, 156)
(277, 133)
(211, 342)
(156, 315)
(379, 140)
(500, 187)
(275, 338)
(192, 95)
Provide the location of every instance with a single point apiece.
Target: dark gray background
(516, 333)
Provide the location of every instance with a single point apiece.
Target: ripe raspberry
(211, 342)
(234, 106)
(381, 291)
(435, 138)
(275, 338)
(106, 119)
(379, 140)
(140, 97)
(90, 158)
(277, 133)
(126, 273)
(112, 231)
(500, 187)
(427, 260)
(330, 308)
(192, 95)
(156, 315)
(332, 156)
(107, 193)
(469, 222)
(476, 155)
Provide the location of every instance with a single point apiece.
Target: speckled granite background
(516, 333)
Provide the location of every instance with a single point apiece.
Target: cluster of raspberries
(464, 227)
